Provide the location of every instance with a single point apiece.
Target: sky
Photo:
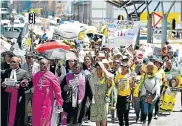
(176, 7)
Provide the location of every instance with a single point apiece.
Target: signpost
(156, 19)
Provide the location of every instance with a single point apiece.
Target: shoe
(137, 121)
(155, 117)
(149, 124)
(144, 124)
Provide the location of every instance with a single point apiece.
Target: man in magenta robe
(46, 89)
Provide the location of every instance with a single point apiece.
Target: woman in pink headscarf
(46, 88)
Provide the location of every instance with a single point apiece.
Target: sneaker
(155, 117)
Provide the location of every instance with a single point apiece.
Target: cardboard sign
(74, 82)
(10, 82)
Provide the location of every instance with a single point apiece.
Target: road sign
(156, 18)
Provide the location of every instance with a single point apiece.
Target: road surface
(174, 119)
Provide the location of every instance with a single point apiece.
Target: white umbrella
(71, 56)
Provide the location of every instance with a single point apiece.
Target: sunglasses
(71, 61)
(28, 57)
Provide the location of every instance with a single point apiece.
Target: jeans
(137, 107)
(147, 109)
(157, 106)
(123, 107)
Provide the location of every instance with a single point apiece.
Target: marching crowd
(111, 81)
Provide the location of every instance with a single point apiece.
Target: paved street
(174, 119)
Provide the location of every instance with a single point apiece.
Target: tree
(34, 10)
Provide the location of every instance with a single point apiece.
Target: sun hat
(108, 74)
(144, 67)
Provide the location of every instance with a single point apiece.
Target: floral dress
(98, 110)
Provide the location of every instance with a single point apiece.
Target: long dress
(46, 88)
(98, 110)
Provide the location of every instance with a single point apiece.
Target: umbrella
(52, 45)
(71, 56)
(55, 54)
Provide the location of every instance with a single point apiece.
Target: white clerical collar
(13, 75)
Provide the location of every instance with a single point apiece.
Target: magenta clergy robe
(46, 88)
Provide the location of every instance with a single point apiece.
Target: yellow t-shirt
(81, 35)
(160, 74)
(137, 85)
(123, 84)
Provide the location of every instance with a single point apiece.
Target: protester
(57, 69)
(76, 90)
(124, 86)
(7, 58)
(88, 70)
(31, 67)
(170, 54)
(161, 75)
(150, 91)
(13, 96)
(46, 88)
(69, 65)
(101, 87)
(137, 101)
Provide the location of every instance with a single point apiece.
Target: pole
(164, 23)
(149, 24)
(181, 11)
(32, 42)
(171, 24)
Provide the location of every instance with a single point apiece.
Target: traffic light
(31, 18)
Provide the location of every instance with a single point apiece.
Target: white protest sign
(10, 82)
(74, 83)
(121, 32)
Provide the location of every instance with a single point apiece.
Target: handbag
(149, 96)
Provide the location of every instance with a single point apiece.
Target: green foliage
(33, 10)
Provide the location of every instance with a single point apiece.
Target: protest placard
(121, 32)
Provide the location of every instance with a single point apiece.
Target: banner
(121, 32)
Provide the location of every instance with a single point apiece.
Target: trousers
(147, 109)
(123, 107)
(28, 98)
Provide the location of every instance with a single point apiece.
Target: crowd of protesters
(111, 81)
